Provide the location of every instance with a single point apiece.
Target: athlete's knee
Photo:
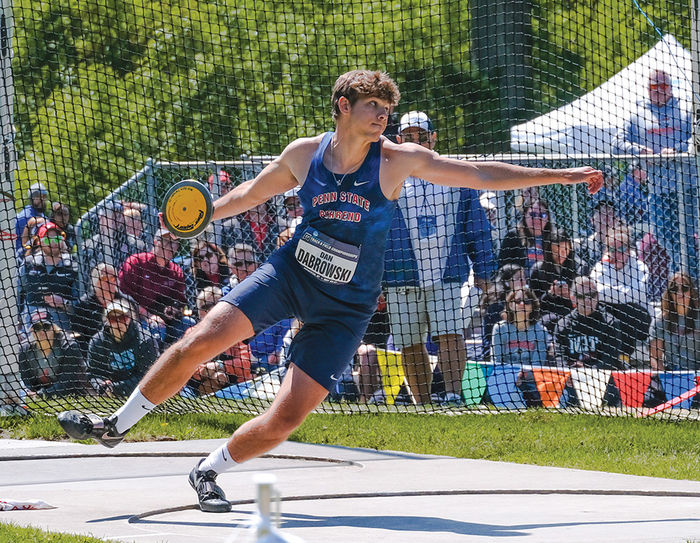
(283, 422)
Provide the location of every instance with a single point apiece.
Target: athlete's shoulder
(297, 156)
(302, 146)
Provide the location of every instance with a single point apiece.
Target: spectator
(520, 337)
(242, 261)
(609, 190)
(510, 277)
(437, 233)
(621, 280)
(220, 184)
(369, 377)
(489, 201)
(552, 277)
(292, 211)
(256, 227)
(229, 368)
(588, 337)
(49, 360)
(60, 216)
(133, 231)
(48, 277)
(108, 243)
(525, 244)
(158, 285)
(121, 352)
(36, 207)
(209, 268)
(656, 258)
(632, 197)
(675, 334)
(662, 126)
(86, 319)
(590, 249)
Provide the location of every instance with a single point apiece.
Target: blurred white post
(265, 483)
(9, 374)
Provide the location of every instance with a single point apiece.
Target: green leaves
(102, 85)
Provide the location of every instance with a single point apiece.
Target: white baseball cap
(488, 200)
(417, 119)
(291, 192)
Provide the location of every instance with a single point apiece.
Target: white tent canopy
(588, 125)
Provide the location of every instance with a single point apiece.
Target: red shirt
(143, 279)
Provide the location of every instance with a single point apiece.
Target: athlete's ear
(344, 105)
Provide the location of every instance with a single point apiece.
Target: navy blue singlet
(354, 213)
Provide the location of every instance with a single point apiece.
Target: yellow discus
(187, 208)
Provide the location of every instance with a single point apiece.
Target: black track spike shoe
(88, 426)
(210, 495)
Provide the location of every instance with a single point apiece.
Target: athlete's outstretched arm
(278, 176)
(275, 178)
(442, 170)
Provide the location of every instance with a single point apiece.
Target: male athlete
(328, 275)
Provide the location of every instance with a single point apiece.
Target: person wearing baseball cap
(48, 276)
(416, 127)
(37, 195)
(438, 233)
(121, 352)
(49, 360)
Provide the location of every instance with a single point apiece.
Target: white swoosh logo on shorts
(334, 378)
(358, 183)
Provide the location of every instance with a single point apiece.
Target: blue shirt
(436, 235)
(352, 210)
(658, 127)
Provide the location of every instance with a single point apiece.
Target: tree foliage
(103, 84)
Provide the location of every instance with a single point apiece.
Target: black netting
(546, 297)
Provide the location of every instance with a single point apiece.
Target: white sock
(135, 408)
(218, 461)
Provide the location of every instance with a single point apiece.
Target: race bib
(327, 259)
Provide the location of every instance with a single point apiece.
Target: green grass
(614, 444)
(10, 533)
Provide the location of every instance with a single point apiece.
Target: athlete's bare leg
(224, 325)
(298, 396)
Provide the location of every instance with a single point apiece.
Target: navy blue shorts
(332, 330)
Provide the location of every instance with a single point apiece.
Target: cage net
(491, 301)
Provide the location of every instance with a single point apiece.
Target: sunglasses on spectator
(42, 327)
(522, 301)
(587, 295)
(118, 317)
(675, 287)
(48, 240)
(657, 86)
(292, 205)
(540, 215)
(421, 137)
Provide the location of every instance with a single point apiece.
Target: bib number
(326, 258)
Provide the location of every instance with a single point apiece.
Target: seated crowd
(603, 301)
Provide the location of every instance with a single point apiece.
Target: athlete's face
(371, 115)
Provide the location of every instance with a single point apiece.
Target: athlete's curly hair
(362, 83)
